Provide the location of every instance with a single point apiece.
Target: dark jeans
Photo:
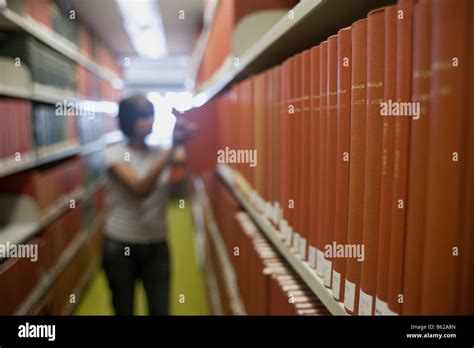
(147, 262)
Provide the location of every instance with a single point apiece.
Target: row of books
(48, 186)
(50, 68)
(64, 21)
(37, 128)
(48, 13)
(45, 185)
(267, 284)
(21, 275)
(52, 129)
(365, 141)
(58, 300)
(16, 135)
(47, 66)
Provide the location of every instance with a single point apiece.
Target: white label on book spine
(336, 284)
(365, 303)
(381, 307)
(389, 312)
(312, 257)
(302, 248)
(327, 272)
(349, 295)
(289, 233)
(296, 242)
(319, 263)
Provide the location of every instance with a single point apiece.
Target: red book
(246, 115)
(314, 153)
(446, 136)
(297, 165)
(466, 286)
(322, 158)
(285, 143)
(258, 125)
(291, 124)
(400, 169)
(305, 158)
(276, 116)
(342, 156)
(357, 161)
(418, 159)
(331, 141)
(386, 199)
(373, 159)
(264, 133)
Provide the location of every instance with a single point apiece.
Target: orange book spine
(400, 169)
(291, 141)
(277, 131)
(331, 134)
(258, 130)
(322, 157)
(342, 156)
(265, 159)
(373, 159)
(297, 166)
(275, 134)
(314, 153)
(305, 153)
(418, 158)
(287, 150)
(466, 286)
(386, 183)
(441, 261)
(285, 141)
(357, 161)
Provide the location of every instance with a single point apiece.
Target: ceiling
(103, 17)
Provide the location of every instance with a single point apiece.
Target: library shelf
(18, 232)
(205, 221)
(300, 267)
(54, 40)
(9, 166)
(52, 95)
(48, 280)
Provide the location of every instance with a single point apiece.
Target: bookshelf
(18, 232)
(11, 19)
(10, 166)
(48, 280)
(307, 24)
(300, 267)
(82, 250)
(208, 230)
(49, 95)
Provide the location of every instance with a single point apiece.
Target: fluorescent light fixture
(143, 23)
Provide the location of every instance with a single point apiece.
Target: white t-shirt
(133, 219)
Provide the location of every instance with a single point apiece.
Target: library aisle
(221, 158)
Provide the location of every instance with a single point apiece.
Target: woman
(135, 245)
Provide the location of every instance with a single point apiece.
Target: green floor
(187, 278)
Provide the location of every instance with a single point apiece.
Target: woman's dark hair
(132, 108)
